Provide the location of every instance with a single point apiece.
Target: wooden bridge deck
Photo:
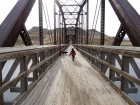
(73, 83)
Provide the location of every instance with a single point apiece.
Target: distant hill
(35, 31)
(34, 35)
(93, 30)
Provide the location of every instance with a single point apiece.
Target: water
(133, 96)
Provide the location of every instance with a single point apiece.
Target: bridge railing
(21, 68)
(120, 66)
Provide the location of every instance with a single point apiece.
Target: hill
(34, 35)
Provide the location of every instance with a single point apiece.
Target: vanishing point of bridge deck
(73, 83)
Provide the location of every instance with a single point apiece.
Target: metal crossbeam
(129, 20)
(25, 37)
(119, 36)
(14, 22)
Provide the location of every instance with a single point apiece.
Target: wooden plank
(108, 81)
(124, 74)
(11, 71)
(24, 48)
(24, 95)
(127, 98)
(6, 86)
(17, 54)
(1, 95)
(73, 83)
(26, 69)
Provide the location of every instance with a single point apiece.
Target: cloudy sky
(111, 18)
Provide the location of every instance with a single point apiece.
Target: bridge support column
(124, 81)
(54, 24)
(102, 21)
(40, 22)
(111, 72)
(87, 21)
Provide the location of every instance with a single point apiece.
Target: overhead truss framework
(70, 12)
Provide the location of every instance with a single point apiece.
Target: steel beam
(40, 23)
(54, 24)
(59, 5)
(80, 10)
(70, 5)
(25, 37)
(129, 19)
(102, 22)
(14, 22)
(87, 20)
(119, 36)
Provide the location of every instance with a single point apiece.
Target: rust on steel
(119, 36)
(14, 22)
(129, 19)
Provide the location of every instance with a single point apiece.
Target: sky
(111, 21)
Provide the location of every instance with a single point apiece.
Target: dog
(65, 52)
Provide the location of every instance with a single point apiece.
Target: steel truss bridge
(118, 65)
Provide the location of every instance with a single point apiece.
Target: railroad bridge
(100, 75)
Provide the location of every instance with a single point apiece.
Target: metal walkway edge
(73, 83)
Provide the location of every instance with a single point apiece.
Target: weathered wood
(4, 56)
(9, 103)
(126, 75)
(19, 101)
(13, 82)
(26, 69)
(135, 66)
(11, 71)
(21, 55)
(4, 50)
(131, 90)
(23, 81)
(112, 84)
(124, 81)
(16, 89)
(124, 95)
(1, 95)
(71, 83)
(111, 72)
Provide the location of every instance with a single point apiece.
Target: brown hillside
(34, 35)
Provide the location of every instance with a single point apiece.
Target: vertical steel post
(82, 29)
(54, 23)
(102, 21)
(87, 20)
(40, 22)
(62, 32)
(59, 27)
(79, 32)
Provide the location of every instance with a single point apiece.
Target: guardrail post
(44, 56)
(124, 67)
(23, 68)
(90, 58)
(101, 57)
(41, 69)
(26, 69)
(36, 62)
(111, 72)
(1, 96)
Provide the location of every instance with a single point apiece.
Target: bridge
(100, 74)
